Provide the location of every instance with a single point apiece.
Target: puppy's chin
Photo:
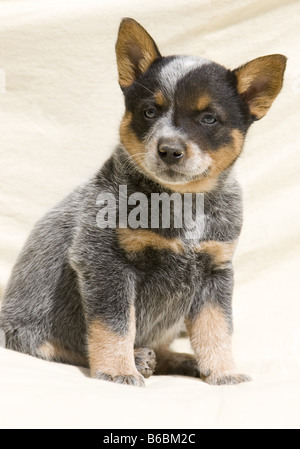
(168, 175)
(171, 177)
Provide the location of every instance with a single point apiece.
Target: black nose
(171, 152)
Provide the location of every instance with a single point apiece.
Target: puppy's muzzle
(171, 151)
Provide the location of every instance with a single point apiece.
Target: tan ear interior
(260, 81)
(135, 50)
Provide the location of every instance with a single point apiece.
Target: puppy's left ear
(136, 50)
(260, 81)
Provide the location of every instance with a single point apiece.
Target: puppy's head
(186, 117)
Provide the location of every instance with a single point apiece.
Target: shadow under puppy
(108, 298)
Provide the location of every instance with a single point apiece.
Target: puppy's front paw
(145, 361)
(134, 380)
(224, 378)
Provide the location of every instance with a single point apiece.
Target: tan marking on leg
(203, 102)
(56, 352)
(46, 351)
(221, 252)
(110, 353)
(212, 342)
(133, 240)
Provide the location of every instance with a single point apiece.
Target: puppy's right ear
(260, 81)
(136, 50)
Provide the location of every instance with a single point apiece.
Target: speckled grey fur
(71, 271)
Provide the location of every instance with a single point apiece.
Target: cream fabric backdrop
(59, 120)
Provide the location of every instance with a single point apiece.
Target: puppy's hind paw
(145, 361)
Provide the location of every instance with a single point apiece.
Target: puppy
(113, 297)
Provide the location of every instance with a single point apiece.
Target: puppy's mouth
(177, 175)
(176, 162)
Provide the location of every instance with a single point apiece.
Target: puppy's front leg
(210, 329)
(107, 289)
(111, 351)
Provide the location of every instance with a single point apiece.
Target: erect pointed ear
(136, 50)
(260, 81)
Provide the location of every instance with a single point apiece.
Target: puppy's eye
(150, 113)
(208, 119)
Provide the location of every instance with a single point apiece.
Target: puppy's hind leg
(54, 352)
(176, 363)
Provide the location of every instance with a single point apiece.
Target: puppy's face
(186, 118)
(184, 121)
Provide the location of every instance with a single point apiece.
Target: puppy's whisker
(151, 92)
(138, 157)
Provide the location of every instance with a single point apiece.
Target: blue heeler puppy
(115, 299)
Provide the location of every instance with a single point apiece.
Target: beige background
(59, 120)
